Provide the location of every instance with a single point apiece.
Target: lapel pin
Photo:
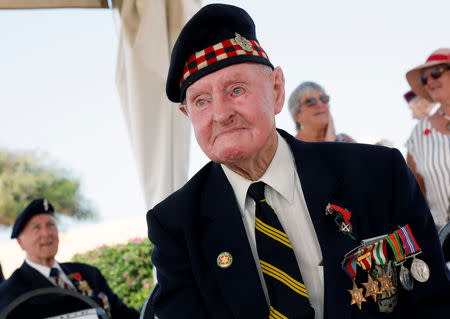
(342, 218)
(224, 260)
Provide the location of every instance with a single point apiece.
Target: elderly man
(272, 226)
(37, 234)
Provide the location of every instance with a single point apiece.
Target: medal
(349, 266)
(420, 270)
(394, 241)
(371, 288)
(357, 295)
(405, 278)
(386, 286)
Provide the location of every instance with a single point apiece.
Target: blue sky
(59, 96)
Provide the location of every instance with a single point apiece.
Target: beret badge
(243, 42)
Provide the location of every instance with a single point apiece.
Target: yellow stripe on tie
(274, 314)
(280, 275)
(272, 232)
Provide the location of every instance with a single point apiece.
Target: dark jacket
(195, 224)
(26, 279)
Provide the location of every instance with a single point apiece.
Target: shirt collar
(44, 270)
(282, 165)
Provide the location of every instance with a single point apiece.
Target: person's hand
(330, 135)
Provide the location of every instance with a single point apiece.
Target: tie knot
(256, 191)
(54, 272)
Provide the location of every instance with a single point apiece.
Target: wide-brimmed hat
(440, 56)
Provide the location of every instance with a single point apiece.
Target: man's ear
(19, 241)
(183, 108)
(277, 78)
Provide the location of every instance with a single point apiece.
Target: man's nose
(223, 109)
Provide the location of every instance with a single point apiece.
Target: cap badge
(45, 204)
(243, 42)
(224, 260)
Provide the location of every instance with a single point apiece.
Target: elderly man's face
(39, 239)
(233, 111)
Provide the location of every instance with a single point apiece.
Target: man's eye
(201, 103)
(238, 91)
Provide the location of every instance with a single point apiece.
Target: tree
(25, 176)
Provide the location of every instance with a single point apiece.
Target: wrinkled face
(39, 239)
(233, 111)
(438, 89)
(313, 115)
(420, 107)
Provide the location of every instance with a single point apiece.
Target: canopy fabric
(41, 4)
(158, 131)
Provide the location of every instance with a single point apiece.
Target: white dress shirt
(45, 271)
(284, 193)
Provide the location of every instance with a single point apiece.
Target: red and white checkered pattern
(218, 52)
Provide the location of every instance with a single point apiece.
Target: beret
(217, 36)
(36, 207)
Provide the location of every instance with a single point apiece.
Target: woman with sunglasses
(429, 144)
(308, 105)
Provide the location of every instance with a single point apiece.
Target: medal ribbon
(379, 252)
(349, 266)
(364, 260)
(409, 243)
(393, 241)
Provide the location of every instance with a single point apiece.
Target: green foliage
(25, 176)
(126, 267)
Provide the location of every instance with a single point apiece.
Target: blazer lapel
(224, 231)
(321, 184)
(34, 278)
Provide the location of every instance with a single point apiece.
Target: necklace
(445, 116)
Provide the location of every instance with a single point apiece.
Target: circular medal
(405, 278)
(420, 270)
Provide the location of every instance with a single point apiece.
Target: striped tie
(56, 275)
(287, 293)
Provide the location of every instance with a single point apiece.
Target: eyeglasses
(313, 101)
(435, 74)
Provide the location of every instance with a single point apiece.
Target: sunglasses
(435, 74)
(313, 101)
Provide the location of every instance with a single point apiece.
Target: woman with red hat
(429, 143)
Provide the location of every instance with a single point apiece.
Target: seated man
(272, 227)
(37, 234)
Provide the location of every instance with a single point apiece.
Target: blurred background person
(420, 107)
(309, 108)
(429, 144)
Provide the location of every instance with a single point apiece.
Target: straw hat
(440, 56)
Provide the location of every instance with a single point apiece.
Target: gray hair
(296, 96)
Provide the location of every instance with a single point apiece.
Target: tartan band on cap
(221, 51)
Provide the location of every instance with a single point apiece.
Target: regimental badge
(224, 260)
(243, 42)
(342, 218)
(45, 203)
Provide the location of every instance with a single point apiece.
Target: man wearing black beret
(272, 227)
(37, 234)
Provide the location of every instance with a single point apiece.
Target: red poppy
(427, 131)
(77, 276)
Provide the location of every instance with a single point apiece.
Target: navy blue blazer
(26, 279)
(195, 224)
